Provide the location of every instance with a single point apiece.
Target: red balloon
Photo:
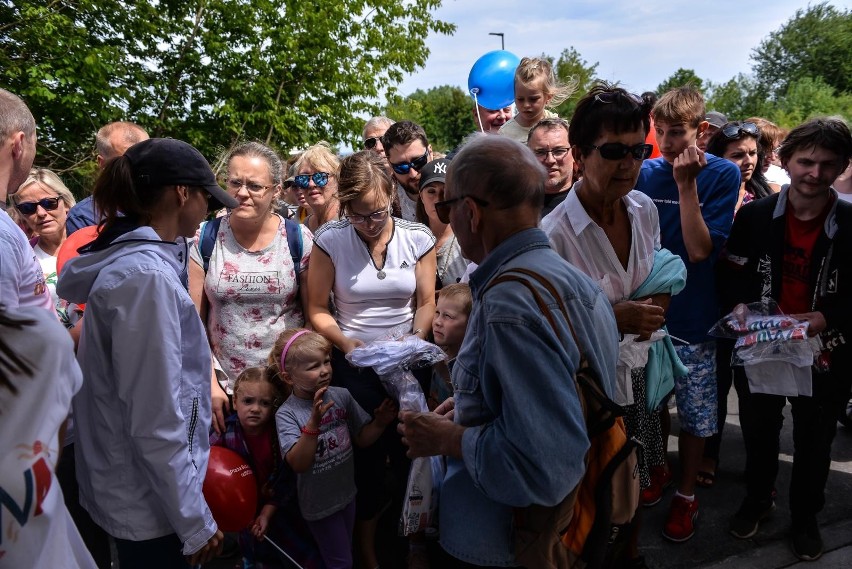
(230, 489)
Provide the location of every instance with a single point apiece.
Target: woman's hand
(221, 405)
(640, 317)
(350, 344)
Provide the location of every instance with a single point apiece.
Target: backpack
(591, 526)
(211, 228)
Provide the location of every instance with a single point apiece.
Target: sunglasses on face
(377, 216)
(735, 130)
(617, 151)
(371, 142)
(302, 181)
(404, 168)
(29, 208)
(442, 208)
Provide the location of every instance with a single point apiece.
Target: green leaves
(445, 113)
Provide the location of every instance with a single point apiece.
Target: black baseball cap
(434, 171)
(159, 162)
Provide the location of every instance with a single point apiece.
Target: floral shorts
(695, 393)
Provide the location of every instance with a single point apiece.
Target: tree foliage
(816, 42)
(212, 72)
(444, 112)
(681, 78)
(571, 67)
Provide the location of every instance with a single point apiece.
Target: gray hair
(48, 179)
(375, 122)
(131, 132)
(15, 116)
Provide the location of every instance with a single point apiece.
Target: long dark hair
(116, 196)
(718, 144)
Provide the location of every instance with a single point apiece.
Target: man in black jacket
(796, 248)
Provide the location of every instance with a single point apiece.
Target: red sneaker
(680, 525)
(660, 480)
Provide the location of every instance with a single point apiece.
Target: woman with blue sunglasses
(316, 182)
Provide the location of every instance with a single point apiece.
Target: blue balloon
(492, 79)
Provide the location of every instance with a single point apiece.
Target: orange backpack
(591, 526)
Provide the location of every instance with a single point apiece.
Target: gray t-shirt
(329, 485)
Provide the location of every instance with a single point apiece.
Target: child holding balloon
(317, 425)
(250, 432)
(536, 89)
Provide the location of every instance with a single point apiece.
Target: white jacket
(143, 412)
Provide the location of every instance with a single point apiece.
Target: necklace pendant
(381, 275)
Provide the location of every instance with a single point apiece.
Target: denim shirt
(526, 439)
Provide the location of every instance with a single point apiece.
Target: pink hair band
(290, 343)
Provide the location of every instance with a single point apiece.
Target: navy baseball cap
(434, 171)
(159, 162)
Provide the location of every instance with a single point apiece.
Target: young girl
(250, 432)
(316, 427)
(536, 87)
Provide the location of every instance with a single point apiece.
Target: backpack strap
(294, 242)
(209, 230)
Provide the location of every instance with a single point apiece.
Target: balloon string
(284, 553)
(478, 116)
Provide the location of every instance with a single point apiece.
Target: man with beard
(407, 150)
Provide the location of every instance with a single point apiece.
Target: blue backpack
(211, 229)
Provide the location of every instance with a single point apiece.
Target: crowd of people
(223, 309)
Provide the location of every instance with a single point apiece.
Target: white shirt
(21, 280)
(48, 269)
(581, 241)
(369, 306)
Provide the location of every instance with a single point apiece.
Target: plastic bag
(393, 357)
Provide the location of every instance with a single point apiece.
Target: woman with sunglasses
(316, 182)
(43, 202)
(246, 286)
(381, 270)
(738, 142)
(611, 232)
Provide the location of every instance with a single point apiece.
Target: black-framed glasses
(302, 181)
(377, 216)
(371, 142)
(734, 130)
(236, 185)
(558, 153)
(403, 168)
(608, 97)
(618, 150)
(443, 208)
(29, 208)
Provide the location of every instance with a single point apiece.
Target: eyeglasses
(302, 181)
(237, 185)
(442, 208)
(735, 129)
(29, 208)
(610, 96)
(558, 153)
(404, 168)
(371, 142)
(617, 151)
(377, 216)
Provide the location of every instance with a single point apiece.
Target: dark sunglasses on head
(302, 181)
(442, 208)
(610, 96)
(405, 167)
(734, 130)
(371, 142)
(29, 208)
(617, 150)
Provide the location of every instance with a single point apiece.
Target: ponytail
(115, 195)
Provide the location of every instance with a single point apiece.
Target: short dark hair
(403, 132)
(623, 112)
(828, 132)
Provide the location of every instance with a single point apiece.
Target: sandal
(705, 479)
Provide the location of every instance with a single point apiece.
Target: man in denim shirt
(516, 436)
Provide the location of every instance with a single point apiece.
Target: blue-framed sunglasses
(302, 181)
(404, 168)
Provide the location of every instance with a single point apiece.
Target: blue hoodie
(144, 409)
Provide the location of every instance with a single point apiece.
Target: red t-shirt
(799, 240)
(260, 447)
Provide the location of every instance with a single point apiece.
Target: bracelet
(313, 433)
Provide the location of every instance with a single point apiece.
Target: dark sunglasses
(610, 97)
(734, 130)
(29, 208)
(404, 168)
(442, 208)
(617, 150)
(371, 142)
(302, 181)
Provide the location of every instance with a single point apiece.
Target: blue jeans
(161, 552)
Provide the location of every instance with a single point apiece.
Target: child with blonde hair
(317, 425)
(537, 89)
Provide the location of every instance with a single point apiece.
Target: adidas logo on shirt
(404, 265)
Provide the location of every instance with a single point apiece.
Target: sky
(637, 43)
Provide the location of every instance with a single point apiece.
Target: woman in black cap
(143, 412)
